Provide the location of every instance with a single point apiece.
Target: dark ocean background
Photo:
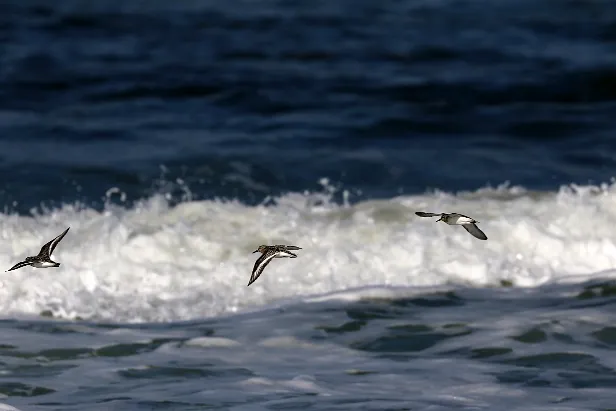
(245, 99)
(175, 137)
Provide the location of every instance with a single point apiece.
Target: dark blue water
(248, 99)
(348, 114)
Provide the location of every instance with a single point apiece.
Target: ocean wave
(153, 261)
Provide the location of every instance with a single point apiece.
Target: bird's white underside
(284, 254)
(43, 264)
(463, 220)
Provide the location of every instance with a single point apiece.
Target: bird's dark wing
(260, 265)
(422, 214)
(19, 265)
(293, 247)
(47, 249)
(475, 231)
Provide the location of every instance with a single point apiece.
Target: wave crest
(156, 262)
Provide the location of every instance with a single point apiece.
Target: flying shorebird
(458, 219)
(268, 252)
(43, 259)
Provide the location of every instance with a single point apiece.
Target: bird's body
(467, 222)
(269, 252)
(45, 264)
(43, 259)
(456, 219)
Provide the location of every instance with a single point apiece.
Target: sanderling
(458, 219)
(43, 259)
(267, 253)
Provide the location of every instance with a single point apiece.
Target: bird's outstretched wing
(422, 214)
(47, 249)
(475, 231)
(260, 265)
(292, 247)
(18, 265)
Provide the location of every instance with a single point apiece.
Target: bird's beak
(255, 251)
(439, 219)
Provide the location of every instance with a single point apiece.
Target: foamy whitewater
(153, 262)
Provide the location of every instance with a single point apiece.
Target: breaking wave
(153, 261)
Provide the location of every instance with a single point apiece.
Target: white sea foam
(152, 262)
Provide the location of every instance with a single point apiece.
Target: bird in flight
(468, 223)
(268, 252)
(43, 259)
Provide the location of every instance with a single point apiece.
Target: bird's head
(260, 249)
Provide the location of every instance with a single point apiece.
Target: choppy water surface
(175, 137)
(549, 348)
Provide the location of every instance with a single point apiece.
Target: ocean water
(175, 137)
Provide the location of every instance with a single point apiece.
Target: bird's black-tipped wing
(422, 214)
(292, 247)
(19, 265)
(475, 231)
(260, 265)
(47, 249)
